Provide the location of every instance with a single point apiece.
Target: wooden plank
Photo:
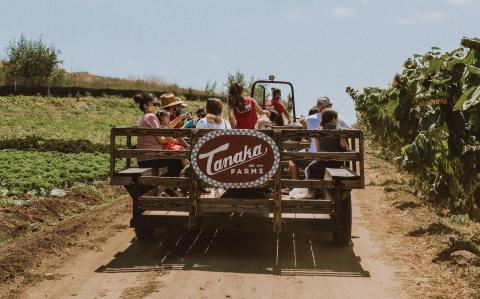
(349, 184)
(163, 200)
(193, 187)
(136, 131)
(129, 145)
(229, 205)
(306, 183)
(225, 222)
(340, 174)
(156, 203)
(121, 181)
(324, 156)
(362, 166)
(288, 133)
(235, 201)
(164, 181)
(277, 190)
(300, 215)
(307, 203)
(353, 147)
(112, 154)
(151, 154)
(133, 172)
(298, 145)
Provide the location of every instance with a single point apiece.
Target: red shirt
(248, 118)
(277, 106)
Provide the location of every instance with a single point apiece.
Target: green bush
(430, 118)
(33, 61)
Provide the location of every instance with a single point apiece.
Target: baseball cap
(324, 101)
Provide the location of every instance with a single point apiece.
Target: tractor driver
(276, 105)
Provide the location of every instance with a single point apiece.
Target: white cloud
(342, 12)
(458, 2)
(422, 17)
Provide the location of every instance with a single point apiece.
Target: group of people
(243, 113)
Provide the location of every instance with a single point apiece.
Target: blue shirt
(313, 122)
(189, 124)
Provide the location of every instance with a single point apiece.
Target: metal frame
(252, 92)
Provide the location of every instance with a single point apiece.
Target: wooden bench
(131, 175)
(340, 176)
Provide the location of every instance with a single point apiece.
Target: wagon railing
(142, 182)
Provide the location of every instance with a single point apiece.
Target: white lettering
(230, 161)
(257, 150)
(217, 165)
(238, 158)
(210, 155)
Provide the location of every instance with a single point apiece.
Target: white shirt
(313, 122)
(204, 124)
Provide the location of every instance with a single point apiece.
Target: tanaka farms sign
(235, 158)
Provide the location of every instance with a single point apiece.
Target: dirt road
(223, 264)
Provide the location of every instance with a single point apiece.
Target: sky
(320, 46)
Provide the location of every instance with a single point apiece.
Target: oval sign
(235, 158)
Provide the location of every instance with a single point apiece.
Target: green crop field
(58, 142)
(67, 118)
(39, 172)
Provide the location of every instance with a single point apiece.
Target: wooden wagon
(268, 208)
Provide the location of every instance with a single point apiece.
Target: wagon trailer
(232, 164)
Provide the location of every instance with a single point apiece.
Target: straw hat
(169, 100)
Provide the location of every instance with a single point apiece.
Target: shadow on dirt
(303, 254)
(432, 229)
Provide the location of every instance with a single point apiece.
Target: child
(316, 169)
(172, 144)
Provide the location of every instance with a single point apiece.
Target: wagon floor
(240, 215)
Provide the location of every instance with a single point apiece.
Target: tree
(235, 78)
(33, 61)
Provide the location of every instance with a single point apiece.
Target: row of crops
(48, 142)
(429, 119)
(39, 172)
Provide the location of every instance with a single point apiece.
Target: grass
(85, 118)
(24, 171)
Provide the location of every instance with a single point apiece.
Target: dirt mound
(476, 238)
(32, 214)
(432, 229)
(403, 205)
(23, 254)
(461, 252)
(464, 258)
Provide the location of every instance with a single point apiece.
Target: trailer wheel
(144, 234)
(344, 236)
